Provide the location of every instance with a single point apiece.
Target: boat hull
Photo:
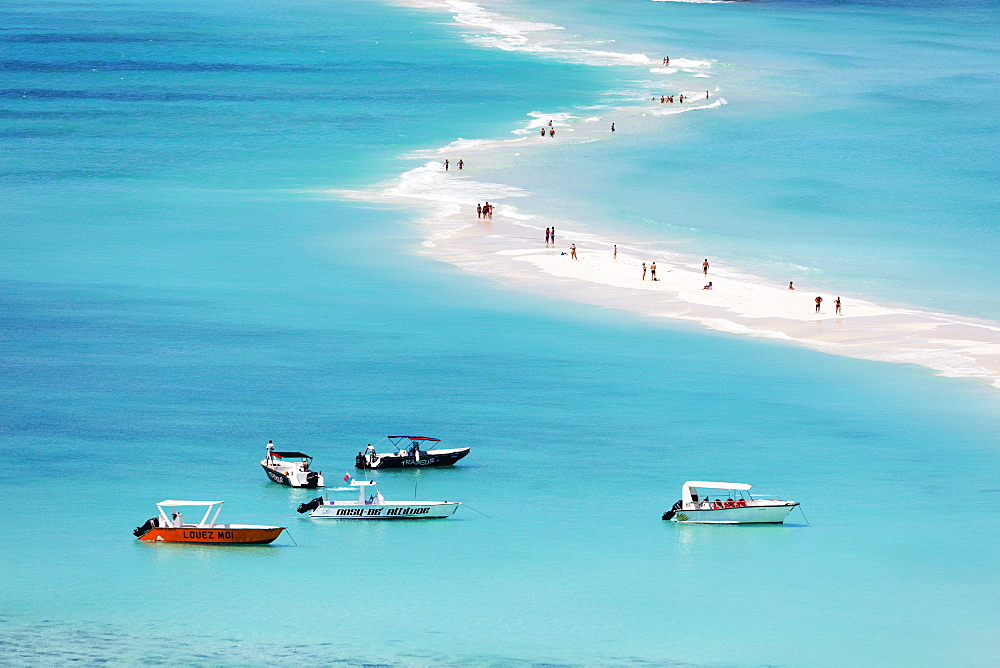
(217, 535)
(745, 515)
(396, 461)
(388, 511)
(282, 479)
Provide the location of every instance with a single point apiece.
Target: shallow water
(177, 292)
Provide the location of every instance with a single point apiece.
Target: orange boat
(171, 528)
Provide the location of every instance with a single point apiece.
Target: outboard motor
(673, 511)
(310, 505)
(312, 479)
(145, 528)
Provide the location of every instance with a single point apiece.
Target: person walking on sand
(546, 236)
(652, 271)
(837, 305)
(615, 256)
(790, 286)
(460, 163)
(446, 164)
(644, 271)
(553, 234)
(819, 300)
(572, 251)
(704, 267)
(479, 210)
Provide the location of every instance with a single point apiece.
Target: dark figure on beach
(542, 132)
(460, 163)
(550, 124)
(446, 165)
(819, 300)
(546, 235)
(682, 99)
(612, 127)
(479, 211)
(706, 94)
(572, 251)
(662, 99)
(552, 132)
(790, 287)
(644, 271)
(486, 210)
(652, 271)
(491, 211)
(615, 256)
(553, 234)
(837, 304)
(704, 267)
(666, 61)
(708, 287)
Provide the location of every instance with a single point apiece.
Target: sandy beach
(510, 247)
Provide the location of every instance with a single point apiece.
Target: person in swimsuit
(446, 165)
(546, 235)
(790, 287)
(460, 163)
(644, 271)
(819, 300)
(704, 267)
(479, 210)
(837, 304)
(572, 251)
(652, 271)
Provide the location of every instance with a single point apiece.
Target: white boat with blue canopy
(704, 502)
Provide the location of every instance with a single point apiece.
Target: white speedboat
(370, 505)
(290, 468)
(703, 503)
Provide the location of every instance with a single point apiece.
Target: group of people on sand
(484, 211)
(550, 235)
(460, 164)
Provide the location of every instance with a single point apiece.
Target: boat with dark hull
(409, 452)
(290, 468)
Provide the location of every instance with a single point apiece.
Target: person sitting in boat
(717, 504)
(414, 449)
(730, 503)
(741, 504)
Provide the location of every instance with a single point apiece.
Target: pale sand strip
(514, 252)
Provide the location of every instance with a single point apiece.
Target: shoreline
(510, 247)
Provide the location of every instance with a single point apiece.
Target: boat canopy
(188, 503)
(717, 485)
(416, 438)
(282, 455)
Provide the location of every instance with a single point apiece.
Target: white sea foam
(740, 303)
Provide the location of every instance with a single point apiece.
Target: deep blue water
(176, 292)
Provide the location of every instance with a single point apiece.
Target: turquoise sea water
(176, 293)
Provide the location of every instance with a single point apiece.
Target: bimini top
(189, 503)
(718, 485)
(282, 455)
(416, 438)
